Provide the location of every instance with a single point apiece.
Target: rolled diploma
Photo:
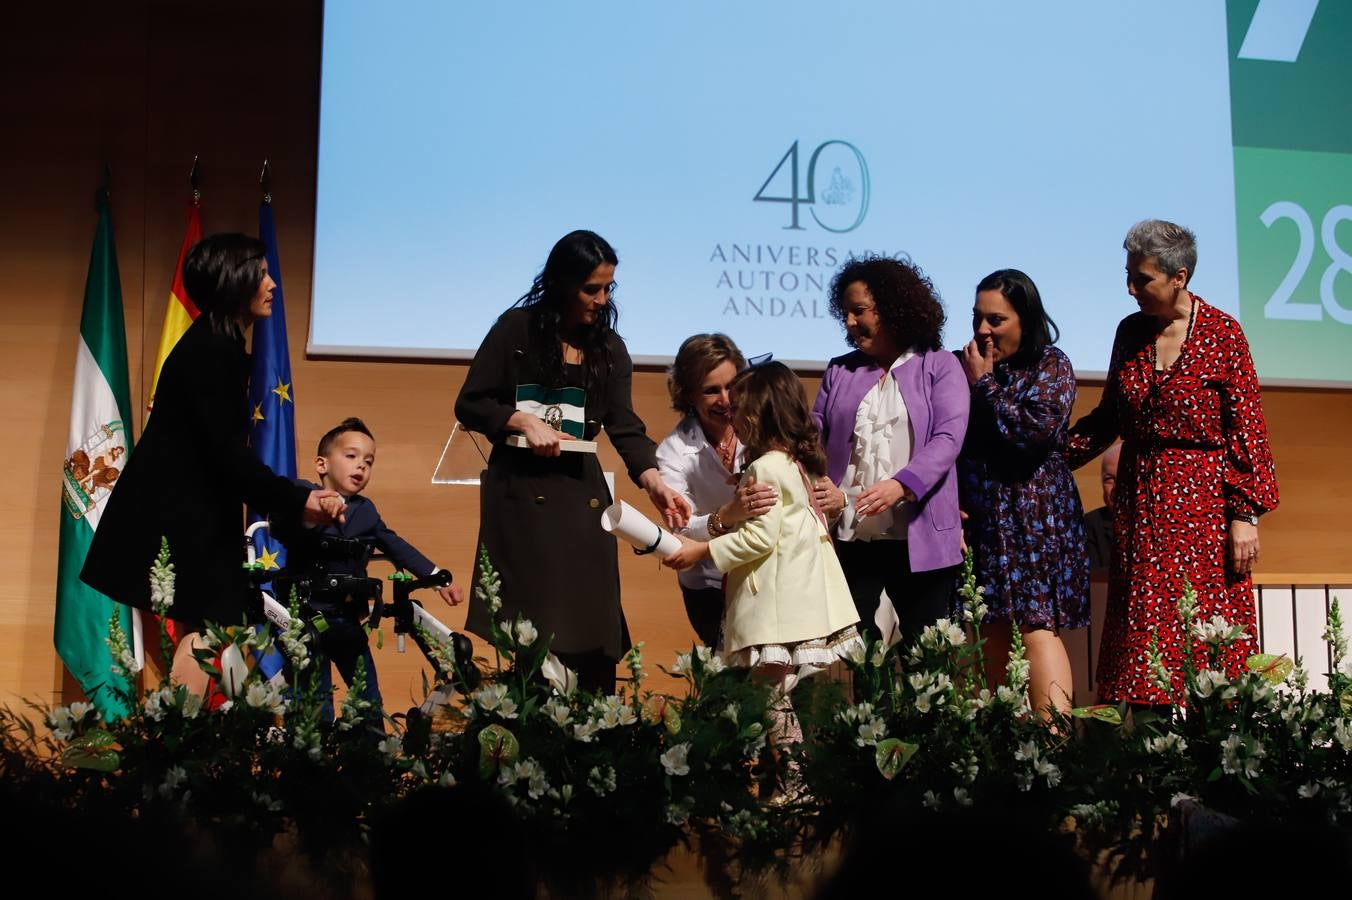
(636, 529)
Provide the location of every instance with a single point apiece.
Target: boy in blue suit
(343, 462)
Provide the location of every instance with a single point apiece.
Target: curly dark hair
(908, 304)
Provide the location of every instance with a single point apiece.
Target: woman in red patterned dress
(1196, 470)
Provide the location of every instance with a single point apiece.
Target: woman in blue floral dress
(1025, 522)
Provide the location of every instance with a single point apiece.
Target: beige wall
(142, 87)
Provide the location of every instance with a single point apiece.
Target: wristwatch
(1244, 517)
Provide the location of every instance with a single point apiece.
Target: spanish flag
(181, 310)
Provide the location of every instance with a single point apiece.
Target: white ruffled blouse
(882, 447)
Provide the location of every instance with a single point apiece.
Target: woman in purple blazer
(893, 415)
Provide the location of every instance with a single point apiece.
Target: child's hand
(453, 594)
(691, 553)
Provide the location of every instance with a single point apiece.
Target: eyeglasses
(591, 290)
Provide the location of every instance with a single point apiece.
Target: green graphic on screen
(1291, 114)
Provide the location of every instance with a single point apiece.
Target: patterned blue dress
(1025, 522)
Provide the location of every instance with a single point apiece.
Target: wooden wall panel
(144, 86)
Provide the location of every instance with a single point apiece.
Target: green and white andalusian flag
(96, 451)
(563, 409)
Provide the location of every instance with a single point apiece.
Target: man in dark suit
(1099, 523)
(343, 462)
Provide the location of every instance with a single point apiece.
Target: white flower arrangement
(526, 632)
(1241, 757)
(528, 771)
(1165, 744)
(871, 732)
(1217, 632)
(557, 712)
(391, 748)
(601, 782)
(266, 695)
(674, 761)
(495, 699)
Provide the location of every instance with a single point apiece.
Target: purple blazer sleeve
(819, 405)
(949, 401)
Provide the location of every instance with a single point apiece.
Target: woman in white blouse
(701, 459)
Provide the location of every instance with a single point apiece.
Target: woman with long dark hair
(550, 370)
(1025, 520)
(192, 471)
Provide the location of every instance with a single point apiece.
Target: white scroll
(637, 530)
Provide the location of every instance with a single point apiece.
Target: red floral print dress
(1195, 453)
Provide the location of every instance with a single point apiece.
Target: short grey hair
(1173, 246)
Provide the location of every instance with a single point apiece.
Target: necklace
(1154, 345)
(727, 450)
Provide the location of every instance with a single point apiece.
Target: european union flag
(272, 402)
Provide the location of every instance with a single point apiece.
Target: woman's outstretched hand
(674, 508)
(324, 508)
(880, 497)
(751, 499)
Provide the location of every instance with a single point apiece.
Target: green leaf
(1273, 667)
(95, 739)
(660, 708)
(93, 750)
(498, 747)
(671, 718)
(892, 755)
(1345, 701)
(1102, 712)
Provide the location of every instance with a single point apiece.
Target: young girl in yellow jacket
(788, 604)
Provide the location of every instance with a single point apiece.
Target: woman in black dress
(555, 356)
(190, 474)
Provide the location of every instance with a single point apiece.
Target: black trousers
(595, 670)
(704, 609)
(919, 597)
